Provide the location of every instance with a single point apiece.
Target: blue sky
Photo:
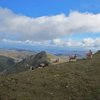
(62, 23)
(36, 8)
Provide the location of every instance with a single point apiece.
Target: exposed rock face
(40, 58)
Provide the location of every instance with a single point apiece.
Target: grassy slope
(5, 63)
(69, 81)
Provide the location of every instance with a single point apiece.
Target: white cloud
(26, 42)
(45, 28)
(72, 43)
(12, 41)
(57, 42)
(85, 43)
(88, 42)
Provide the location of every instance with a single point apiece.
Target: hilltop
(78, 80)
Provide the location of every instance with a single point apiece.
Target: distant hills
(17, 55)
(19, 61)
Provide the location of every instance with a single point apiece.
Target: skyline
(50, 23)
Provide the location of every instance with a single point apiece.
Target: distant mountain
(20, 54)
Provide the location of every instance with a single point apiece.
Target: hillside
(34, 61)
(31, 61)
(67, 81)
(5, 63)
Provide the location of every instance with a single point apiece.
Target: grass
(68, 81)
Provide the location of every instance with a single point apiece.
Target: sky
(50, 23)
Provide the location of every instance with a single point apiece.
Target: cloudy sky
(57, 23)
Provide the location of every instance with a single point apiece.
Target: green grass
(68, 81)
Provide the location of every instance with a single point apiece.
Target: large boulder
(39, 58)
